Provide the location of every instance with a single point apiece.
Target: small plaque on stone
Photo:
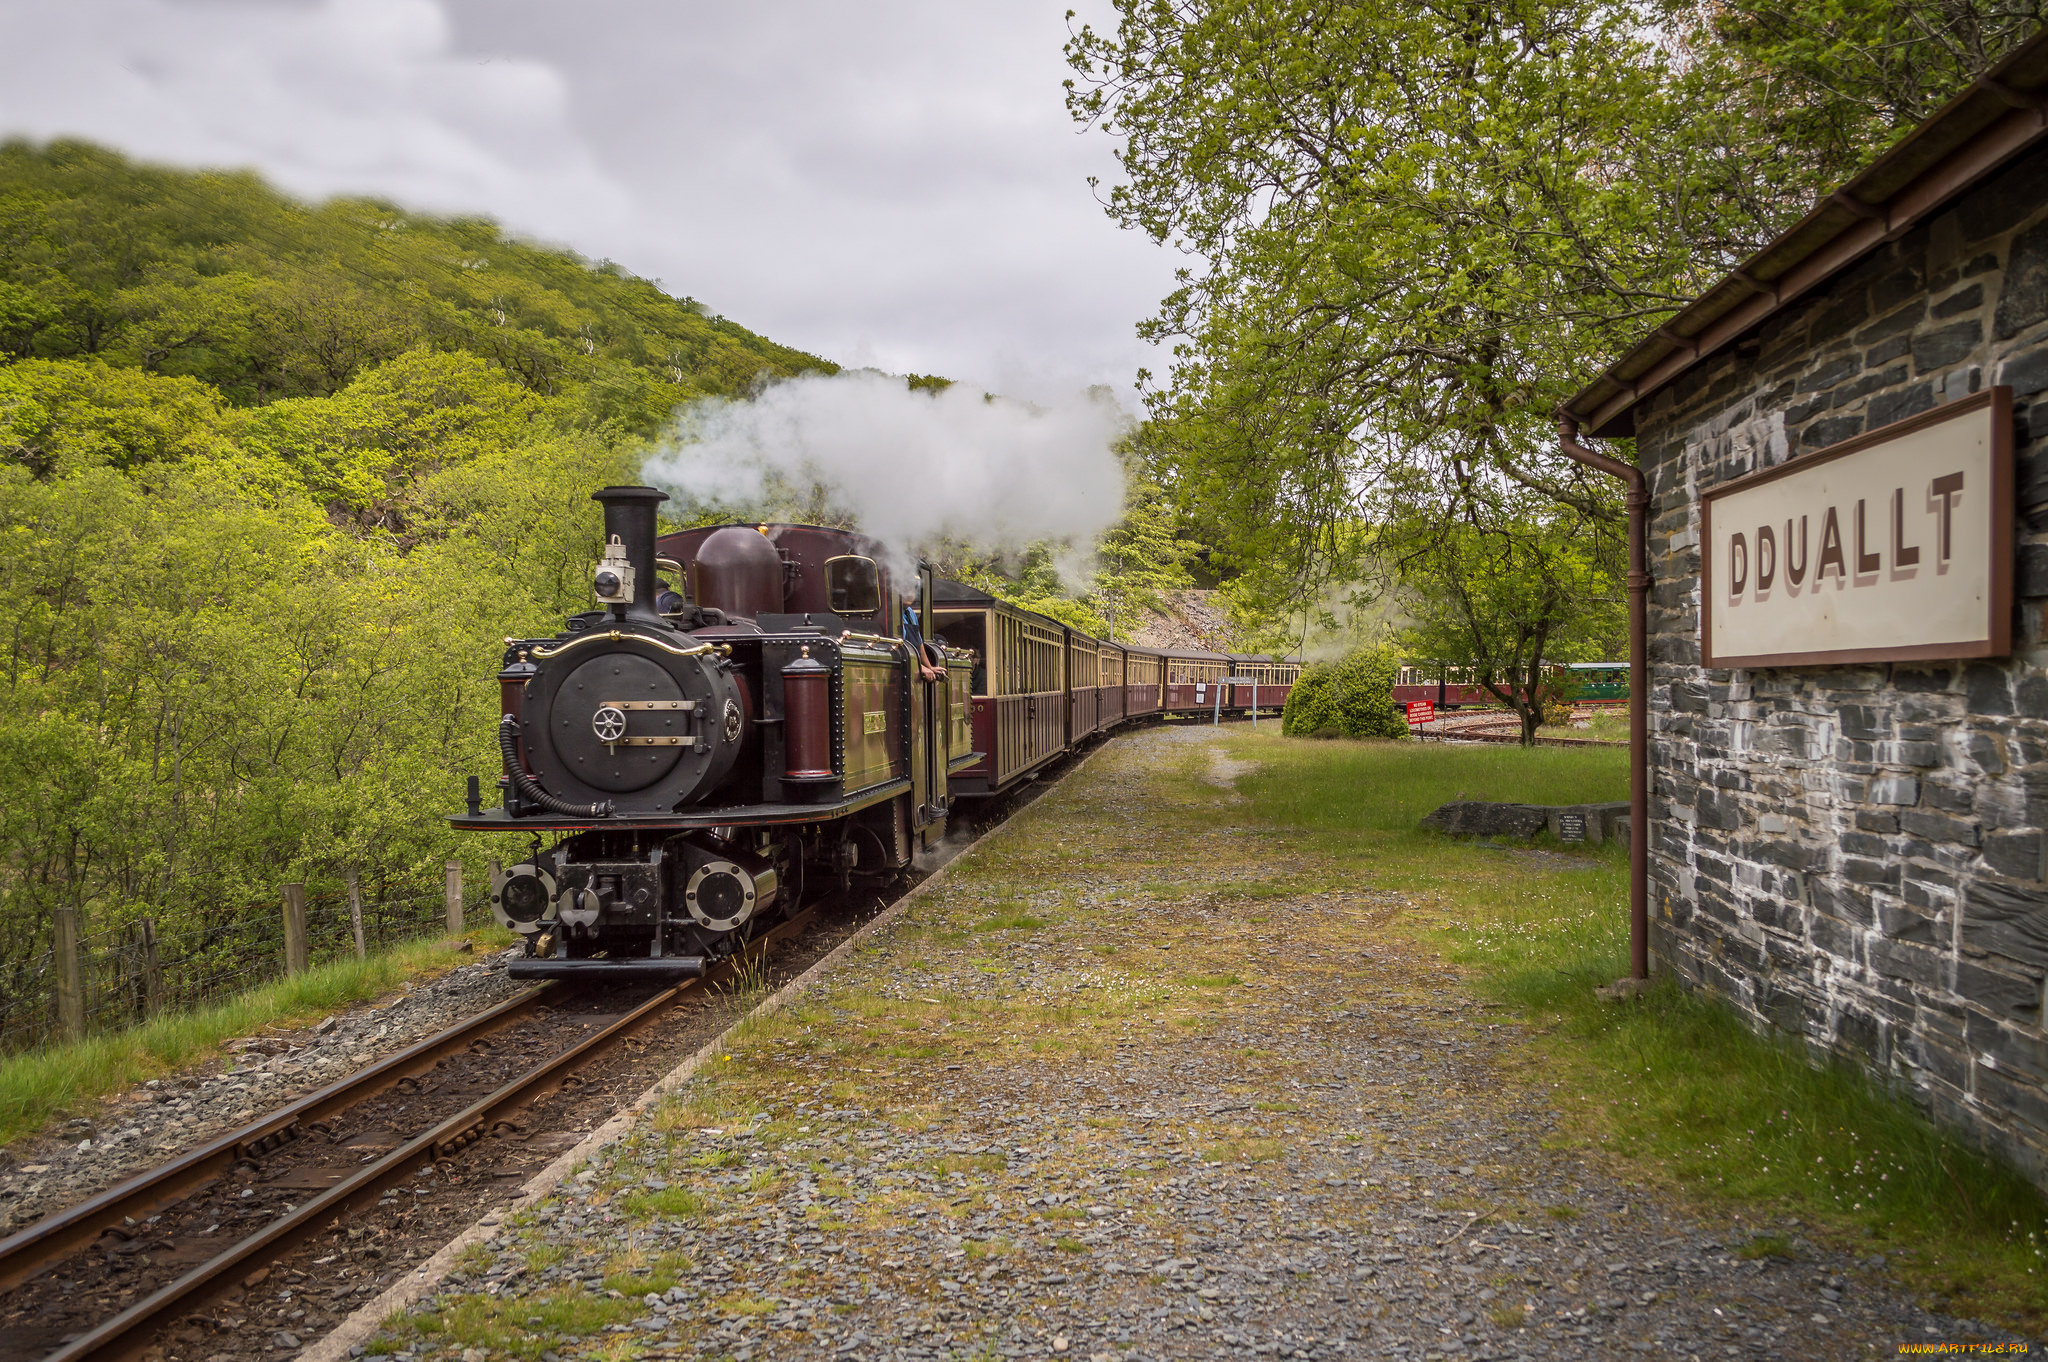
(1571, 827)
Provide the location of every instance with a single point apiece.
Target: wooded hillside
(275, 481)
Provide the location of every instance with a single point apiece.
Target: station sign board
(1893, 546)
(1420, 712)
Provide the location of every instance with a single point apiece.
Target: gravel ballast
(165, 1117)
(1119, 1089)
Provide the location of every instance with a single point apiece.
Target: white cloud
(345, 95)
(895, 181)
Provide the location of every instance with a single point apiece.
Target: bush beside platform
(1352, 697)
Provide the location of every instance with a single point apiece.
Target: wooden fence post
(455, 898)
(295, 929)
(152, 968)
(70, 982)
(355, 913)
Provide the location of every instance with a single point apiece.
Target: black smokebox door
(584, 716)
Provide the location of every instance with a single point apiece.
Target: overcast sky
(885, 182)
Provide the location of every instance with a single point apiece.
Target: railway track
(1509, 730)
(125, 1273)
(215, 1220)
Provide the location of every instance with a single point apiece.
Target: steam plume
(907, 466)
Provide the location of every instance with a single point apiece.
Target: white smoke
(909, 467)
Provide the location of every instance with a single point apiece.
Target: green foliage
(61, 417)
(1507, 596)
(218, 277)
(1826, 83)
(1140, 558)
(1350, 698)
(1424, 223)
(275, 482)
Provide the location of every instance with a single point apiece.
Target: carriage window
(853, 585)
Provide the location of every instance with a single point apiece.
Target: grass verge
(1674, 1089)
(62, 1078)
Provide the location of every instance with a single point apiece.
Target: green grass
(1386, 787)
(1607, 724)
(67, 1078)
(1674, 1088)
(517, 1326)
(677, 1203)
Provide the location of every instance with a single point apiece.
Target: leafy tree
(1509, 595)
(63, 416)
(1828, 84)
(1139, 559)
(1417, 225)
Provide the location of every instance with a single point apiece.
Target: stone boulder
(1482, 818)
(1604, 822)
(1479, 818)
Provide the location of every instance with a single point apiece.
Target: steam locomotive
(754, 714)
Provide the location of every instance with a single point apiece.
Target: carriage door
(928, 752)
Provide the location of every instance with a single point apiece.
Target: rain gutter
(1638, 685)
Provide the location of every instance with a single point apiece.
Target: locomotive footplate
(497, 820)
(659, 969)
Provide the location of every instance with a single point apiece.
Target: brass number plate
(875, 721)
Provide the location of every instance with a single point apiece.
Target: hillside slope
(1192, 618)
(218, 277)
(276, 480)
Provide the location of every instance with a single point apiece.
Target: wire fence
(125, 975)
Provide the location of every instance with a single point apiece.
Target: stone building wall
(1857, 854)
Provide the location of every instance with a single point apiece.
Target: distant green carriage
(1598, 682)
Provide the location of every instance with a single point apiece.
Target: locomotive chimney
(629, 518)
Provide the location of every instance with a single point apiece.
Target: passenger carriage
(1019, 711)
(1144, 678)
(1270, 680)
(1450, 685)
(1192, 679)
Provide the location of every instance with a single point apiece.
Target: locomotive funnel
(629, 518)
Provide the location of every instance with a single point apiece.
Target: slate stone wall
(1859, 855)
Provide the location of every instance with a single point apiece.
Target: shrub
(1352, 697)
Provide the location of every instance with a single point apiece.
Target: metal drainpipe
(1638, 686)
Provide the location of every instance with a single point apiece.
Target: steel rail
(63, 1232)
(128, 1334)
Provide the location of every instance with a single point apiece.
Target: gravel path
(1129, 1085)
(164, 1117)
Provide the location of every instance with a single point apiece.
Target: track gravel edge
(361, 1326)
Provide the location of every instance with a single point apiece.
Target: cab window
(853, 585)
